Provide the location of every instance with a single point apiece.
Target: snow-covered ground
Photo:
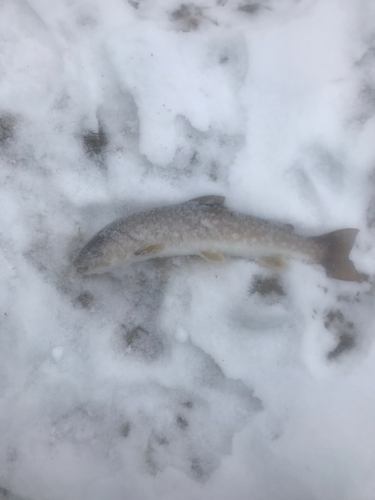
(178, 378)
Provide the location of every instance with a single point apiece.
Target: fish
(205, 226)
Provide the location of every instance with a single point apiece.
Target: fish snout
(101, 253)
(81, 262)
(80, 265)
(82, 269)
(92, 260)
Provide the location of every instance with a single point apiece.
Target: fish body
(205, 226)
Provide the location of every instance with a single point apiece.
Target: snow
(181, 378)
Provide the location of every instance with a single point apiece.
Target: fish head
(101, 253)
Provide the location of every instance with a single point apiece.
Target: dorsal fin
(211, 199)
(288, 227)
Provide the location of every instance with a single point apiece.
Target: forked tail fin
(337, 247)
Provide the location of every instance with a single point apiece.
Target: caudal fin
(337, 247)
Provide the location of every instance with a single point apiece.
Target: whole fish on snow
(205, 226)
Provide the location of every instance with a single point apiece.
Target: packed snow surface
(179, 378)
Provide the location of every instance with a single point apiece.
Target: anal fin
(150, 249)
(211, 200)
(212, 256)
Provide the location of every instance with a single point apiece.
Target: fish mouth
(82, 269)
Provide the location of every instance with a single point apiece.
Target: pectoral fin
(213, 256)
(150, 249)
(273, 261)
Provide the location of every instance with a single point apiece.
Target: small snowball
(57, 353)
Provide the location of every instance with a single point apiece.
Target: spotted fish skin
(205, 226)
